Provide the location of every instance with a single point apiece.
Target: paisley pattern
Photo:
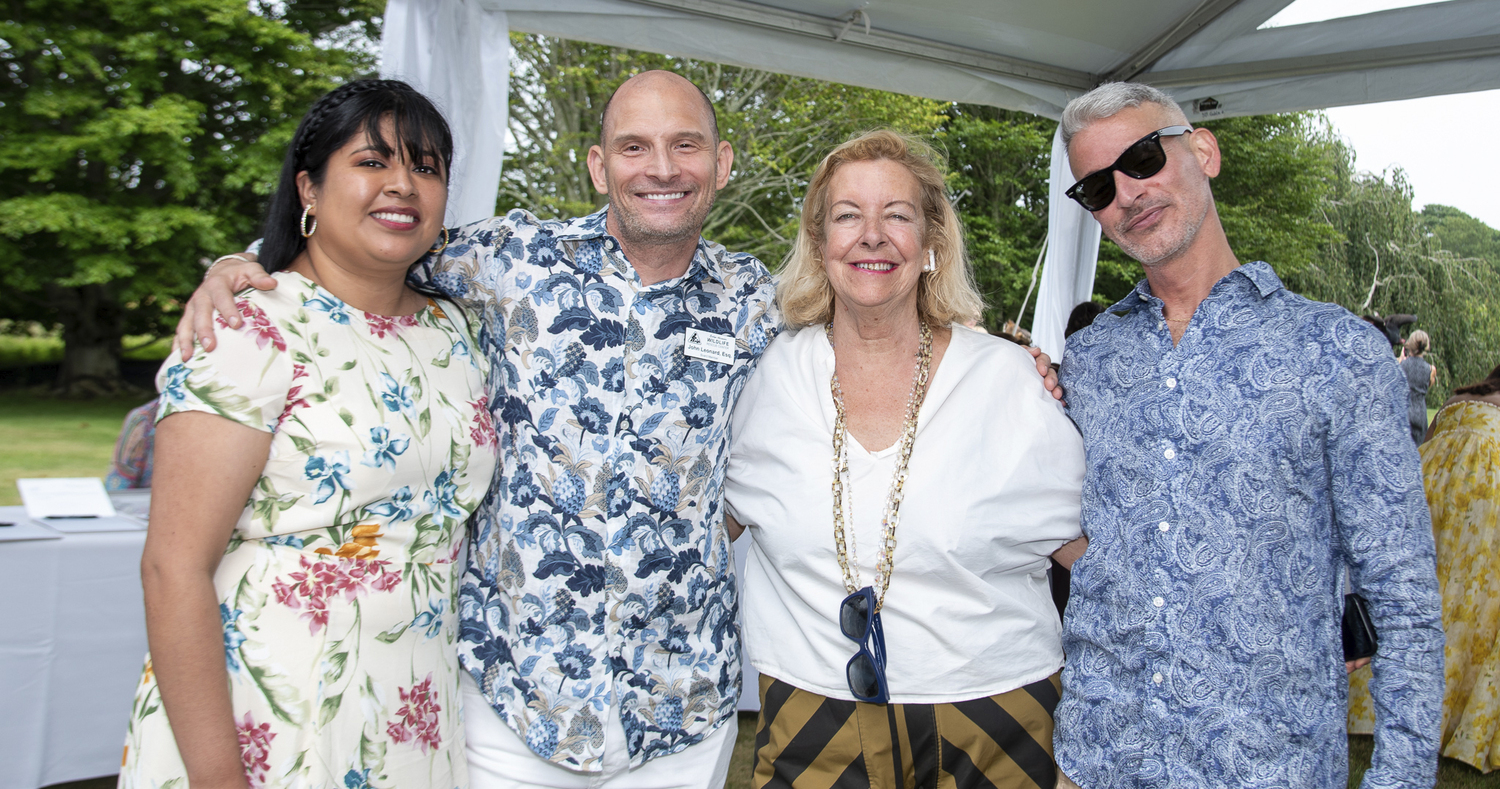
(599, 571)
(1461, 470)
(1227, 481)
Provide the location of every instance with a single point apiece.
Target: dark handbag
(1359, 630)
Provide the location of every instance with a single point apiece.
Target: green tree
(139, 137)
(780, 127)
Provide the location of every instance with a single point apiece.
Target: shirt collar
(592, 227)
(1258, 273)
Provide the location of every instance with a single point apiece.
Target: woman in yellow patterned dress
(1461, 471)
(314, 472)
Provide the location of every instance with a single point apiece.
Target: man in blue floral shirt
(1244, 445)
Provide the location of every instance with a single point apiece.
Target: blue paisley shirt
(1228, 481)
(599, 570)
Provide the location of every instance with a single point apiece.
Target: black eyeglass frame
(1151, 154)
(871, 639)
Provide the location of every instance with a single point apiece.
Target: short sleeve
(246, 378)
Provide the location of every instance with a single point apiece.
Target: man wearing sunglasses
(1243, 444)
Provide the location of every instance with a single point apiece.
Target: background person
(307, 637)
(1461, 473)
(1420, 376)
(131, 465)
(953, 475)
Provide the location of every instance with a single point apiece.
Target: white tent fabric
(1018, 54)
(1072, 250)
(458, 53)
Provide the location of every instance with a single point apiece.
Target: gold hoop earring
(436, 250)
(302, 225)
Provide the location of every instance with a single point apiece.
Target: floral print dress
(337, 588)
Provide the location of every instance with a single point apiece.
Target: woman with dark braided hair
(314, 472)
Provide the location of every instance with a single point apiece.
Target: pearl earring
(931, 262)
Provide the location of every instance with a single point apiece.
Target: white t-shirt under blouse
(992, 490)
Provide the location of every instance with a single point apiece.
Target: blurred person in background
(1420, 377)
(132, 462)
(1461, 473)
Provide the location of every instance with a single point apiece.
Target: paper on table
(27, 530)
(86, 525)
(65, 497)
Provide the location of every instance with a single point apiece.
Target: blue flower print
(460, 350)
(575, 661)
(397, 397)
(387, 445)
(174, 390)
(397, 508)
(592, 416)
(699, 411)
(232, 635)
(330, 474)
(451, 283)
(330, 305)
(357, 779)
(431, 619)
(614, 376)
(289, 540)
(440, 498)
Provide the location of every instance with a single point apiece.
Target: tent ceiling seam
(1132, 67)
(1312, 65)
(827, 29)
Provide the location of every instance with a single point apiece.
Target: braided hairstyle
(354, 108)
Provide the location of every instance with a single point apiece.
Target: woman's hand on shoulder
(1048, 371)
(224, 278)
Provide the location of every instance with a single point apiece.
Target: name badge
(710, 347)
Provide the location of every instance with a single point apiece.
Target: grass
(46, 437)
(23, 351)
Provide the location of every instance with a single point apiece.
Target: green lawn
(58, 438)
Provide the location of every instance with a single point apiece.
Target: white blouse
(992, 490)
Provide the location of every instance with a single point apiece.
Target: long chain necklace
(849, 559)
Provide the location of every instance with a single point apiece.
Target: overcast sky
(1425, 137)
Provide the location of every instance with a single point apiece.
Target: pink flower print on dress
(255, 749)
(256, 325)
(381, 325)
(294, 398)
(417, 720)
(483, 431)
(311, 588)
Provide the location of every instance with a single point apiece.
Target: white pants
(500, 759)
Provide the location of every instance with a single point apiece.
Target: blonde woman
(1420, 377)
(905, 480)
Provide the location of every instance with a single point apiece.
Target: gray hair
(1107, 100)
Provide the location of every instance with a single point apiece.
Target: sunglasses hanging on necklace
(1143, 159)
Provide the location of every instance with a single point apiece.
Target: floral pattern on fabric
(338, 587)
(1228, 480)
(1461, 472)
(599, 571)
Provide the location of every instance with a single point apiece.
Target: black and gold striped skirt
(808, 741)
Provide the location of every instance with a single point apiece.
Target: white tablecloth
(72, 640)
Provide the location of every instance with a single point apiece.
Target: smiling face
(659, 162)
(1157, 219)
(872, 248)
(374, 208)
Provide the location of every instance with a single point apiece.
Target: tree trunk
(92, 326)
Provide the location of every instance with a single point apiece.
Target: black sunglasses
(866, 670)
(1143, 159)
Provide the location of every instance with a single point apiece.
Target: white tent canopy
(1017, 54)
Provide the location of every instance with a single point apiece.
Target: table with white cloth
(72, 640)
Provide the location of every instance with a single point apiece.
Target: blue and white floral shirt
(1228, 481)
(599, 569)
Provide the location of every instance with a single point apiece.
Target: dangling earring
(308, 231)
(931, 262)
(436, 250)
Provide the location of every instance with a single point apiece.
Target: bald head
(652, 86)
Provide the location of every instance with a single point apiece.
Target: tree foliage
(138, 137)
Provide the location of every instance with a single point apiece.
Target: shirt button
(1156, 677)
(1164, 526)
(1170, 453)
(1158, 602)
(1171, 383)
